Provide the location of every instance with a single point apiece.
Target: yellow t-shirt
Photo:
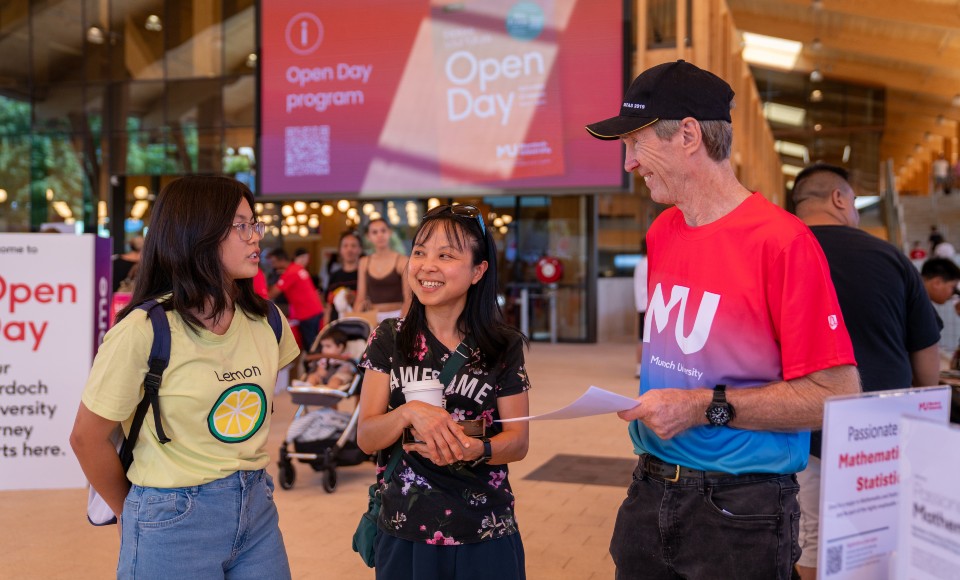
(216, 397)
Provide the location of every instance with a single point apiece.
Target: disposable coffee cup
(429, 391)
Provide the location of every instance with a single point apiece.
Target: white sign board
(54, 310)
(929, 536)
(860, 478)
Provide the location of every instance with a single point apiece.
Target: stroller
(326, 438)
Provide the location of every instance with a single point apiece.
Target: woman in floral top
(448, 509)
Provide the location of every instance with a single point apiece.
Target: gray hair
(717, 135)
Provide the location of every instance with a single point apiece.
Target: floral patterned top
(447, 505)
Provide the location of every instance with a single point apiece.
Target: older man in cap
(743, 342)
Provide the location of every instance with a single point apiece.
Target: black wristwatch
(720, 412)
(487, 453)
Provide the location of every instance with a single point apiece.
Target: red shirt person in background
(301, 294)
(260, 285)
(917, 253)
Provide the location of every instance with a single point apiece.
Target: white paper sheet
(595, 401)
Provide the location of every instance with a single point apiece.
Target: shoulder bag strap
(455, 361)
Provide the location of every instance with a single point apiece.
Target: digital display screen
(416, 97)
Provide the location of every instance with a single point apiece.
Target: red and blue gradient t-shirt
(743, 301)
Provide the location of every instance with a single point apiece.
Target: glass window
(238, 101)
(195, 39)
(240, 36)
(196, 151)
(239, 157)
(623, 220)
(140, 107)
(99, 40)
(57, 34)
(149, 153)
(58, 107)
(57, 161)
(194, 103)
(538, 227)
(15, 47)
(137, 33)
(14, 172)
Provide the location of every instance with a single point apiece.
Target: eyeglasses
(467, 211)
(247, 229)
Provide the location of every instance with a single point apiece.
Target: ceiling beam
(936, 15)
(934, 53)
(942, 85)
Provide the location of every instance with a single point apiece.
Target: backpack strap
(273, 317)
(157, 363)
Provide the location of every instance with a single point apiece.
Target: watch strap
(720, 394)
(487, 453)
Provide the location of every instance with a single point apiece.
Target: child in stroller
(327, 438)
(331, 370)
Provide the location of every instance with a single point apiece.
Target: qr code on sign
(834, 559)
(307, 150)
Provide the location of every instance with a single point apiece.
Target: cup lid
(408, 389)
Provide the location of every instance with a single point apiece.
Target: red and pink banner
(387, 97)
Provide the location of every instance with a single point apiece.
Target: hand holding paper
(595, 401)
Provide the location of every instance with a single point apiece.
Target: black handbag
(365, 538)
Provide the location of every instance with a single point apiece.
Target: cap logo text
(634, 105)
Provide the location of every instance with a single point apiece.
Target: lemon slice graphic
(238, 413)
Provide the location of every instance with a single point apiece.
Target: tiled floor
(566, 526)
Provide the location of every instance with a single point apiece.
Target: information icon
(304, 33)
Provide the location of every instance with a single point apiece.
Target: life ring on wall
(549, 270)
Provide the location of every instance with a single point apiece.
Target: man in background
(891, 322)
(302, 296)
(940, 277)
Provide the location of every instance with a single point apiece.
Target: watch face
(718, 414)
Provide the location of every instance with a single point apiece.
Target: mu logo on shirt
(658, 312)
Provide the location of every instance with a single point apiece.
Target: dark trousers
(309, 329)
(399, 559)
(732, 527)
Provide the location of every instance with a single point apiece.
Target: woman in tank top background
(380, 284)
(349, 252)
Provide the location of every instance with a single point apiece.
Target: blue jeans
(227, 528)
(733, 527)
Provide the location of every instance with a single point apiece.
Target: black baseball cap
(673, 90)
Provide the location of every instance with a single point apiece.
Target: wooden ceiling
(909, 48)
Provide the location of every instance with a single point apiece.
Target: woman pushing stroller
(448, 508)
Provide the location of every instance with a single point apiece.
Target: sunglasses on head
(467, 211)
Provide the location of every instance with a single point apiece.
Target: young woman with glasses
(200, 505)
(448, 508)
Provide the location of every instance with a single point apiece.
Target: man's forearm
(791, 405)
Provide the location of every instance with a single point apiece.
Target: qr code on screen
(307, 150)
(834, 559)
